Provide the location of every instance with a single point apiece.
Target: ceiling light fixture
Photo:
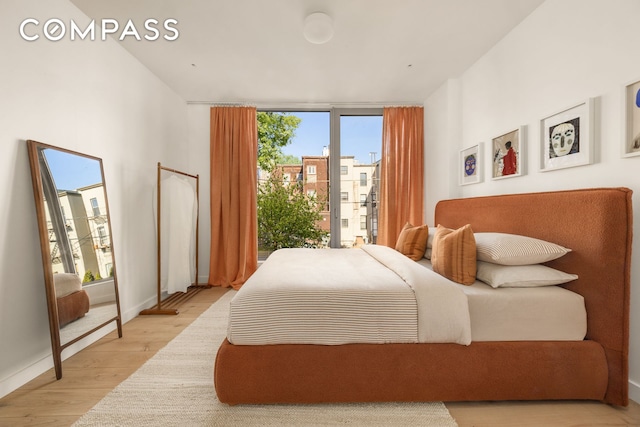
(318, 28)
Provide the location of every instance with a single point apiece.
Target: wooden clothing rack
(168, 306)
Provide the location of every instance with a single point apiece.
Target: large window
(359, 142)
(336, 155)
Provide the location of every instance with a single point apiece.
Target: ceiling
(253, 51)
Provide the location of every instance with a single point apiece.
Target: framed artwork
(566, 138)
(471, 165)
(631, 114)
(507, 155)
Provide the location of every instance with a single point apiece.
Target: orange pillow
(453, 254)
(412, 241)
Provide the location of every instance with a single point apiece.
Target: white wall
(442, 133)
(95, 98)
(199, 117)
(563, 53)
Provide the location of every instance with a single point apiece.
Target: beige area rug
(175, 388)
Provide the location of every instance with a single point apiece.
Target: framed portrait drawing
(471, 165)
(566, 137)
(631, 114)
(507, 154)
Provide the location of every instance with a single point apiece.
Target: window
(306, 159)
(358, 141)
(104, 241)
(95, 207)
(338, 154)
(363, 222)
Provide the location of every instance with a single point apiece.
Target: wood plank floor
(89, 375)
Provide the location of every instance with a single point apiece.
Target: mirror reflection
(76, 242)
(79, 242)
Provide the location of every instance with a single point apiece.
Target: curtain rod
(306, 105)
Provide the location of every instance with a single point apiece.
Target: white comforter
(341, 296)
(443, 310)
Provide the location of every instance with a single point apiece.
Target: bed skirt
(411, 372)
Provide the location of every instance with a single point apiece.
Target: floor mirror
(75, 240)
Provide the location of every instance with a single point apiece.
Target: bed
(596, 224)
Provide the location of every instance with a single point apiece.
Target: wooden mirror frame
(33, 148)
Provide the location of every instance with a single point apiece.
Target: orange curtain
(234, 223)
(402, 174)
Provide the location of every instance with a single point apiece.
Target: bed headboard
(596, 224)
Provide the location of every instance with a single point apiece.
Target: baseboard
(25, 375)
(135, 311)
(42, 365)
(17, 380)
(634, 391)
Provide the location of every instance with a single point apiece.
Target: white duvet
(342, 296)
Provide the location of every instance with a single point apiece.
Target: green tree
(275, 130)
(288, 159)
(287, 218)
(88, 277)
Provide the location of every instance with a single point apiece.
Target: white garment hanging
(179, 210)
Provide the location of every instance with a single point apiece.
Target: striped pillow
(453, 254)
(412, 241)
(513, 249)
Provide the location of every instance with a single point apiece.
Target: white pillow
(520, 276)
(512, 249)
(432, 233)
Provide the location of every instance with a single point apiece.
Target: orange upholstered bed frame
(595, 223)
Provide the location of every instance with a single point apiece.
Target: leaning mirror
(75, 240)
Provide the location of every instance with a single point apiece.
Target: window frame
(334, 163)
(335, 170)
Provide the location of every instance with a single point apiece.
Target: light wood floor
(89, 375)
